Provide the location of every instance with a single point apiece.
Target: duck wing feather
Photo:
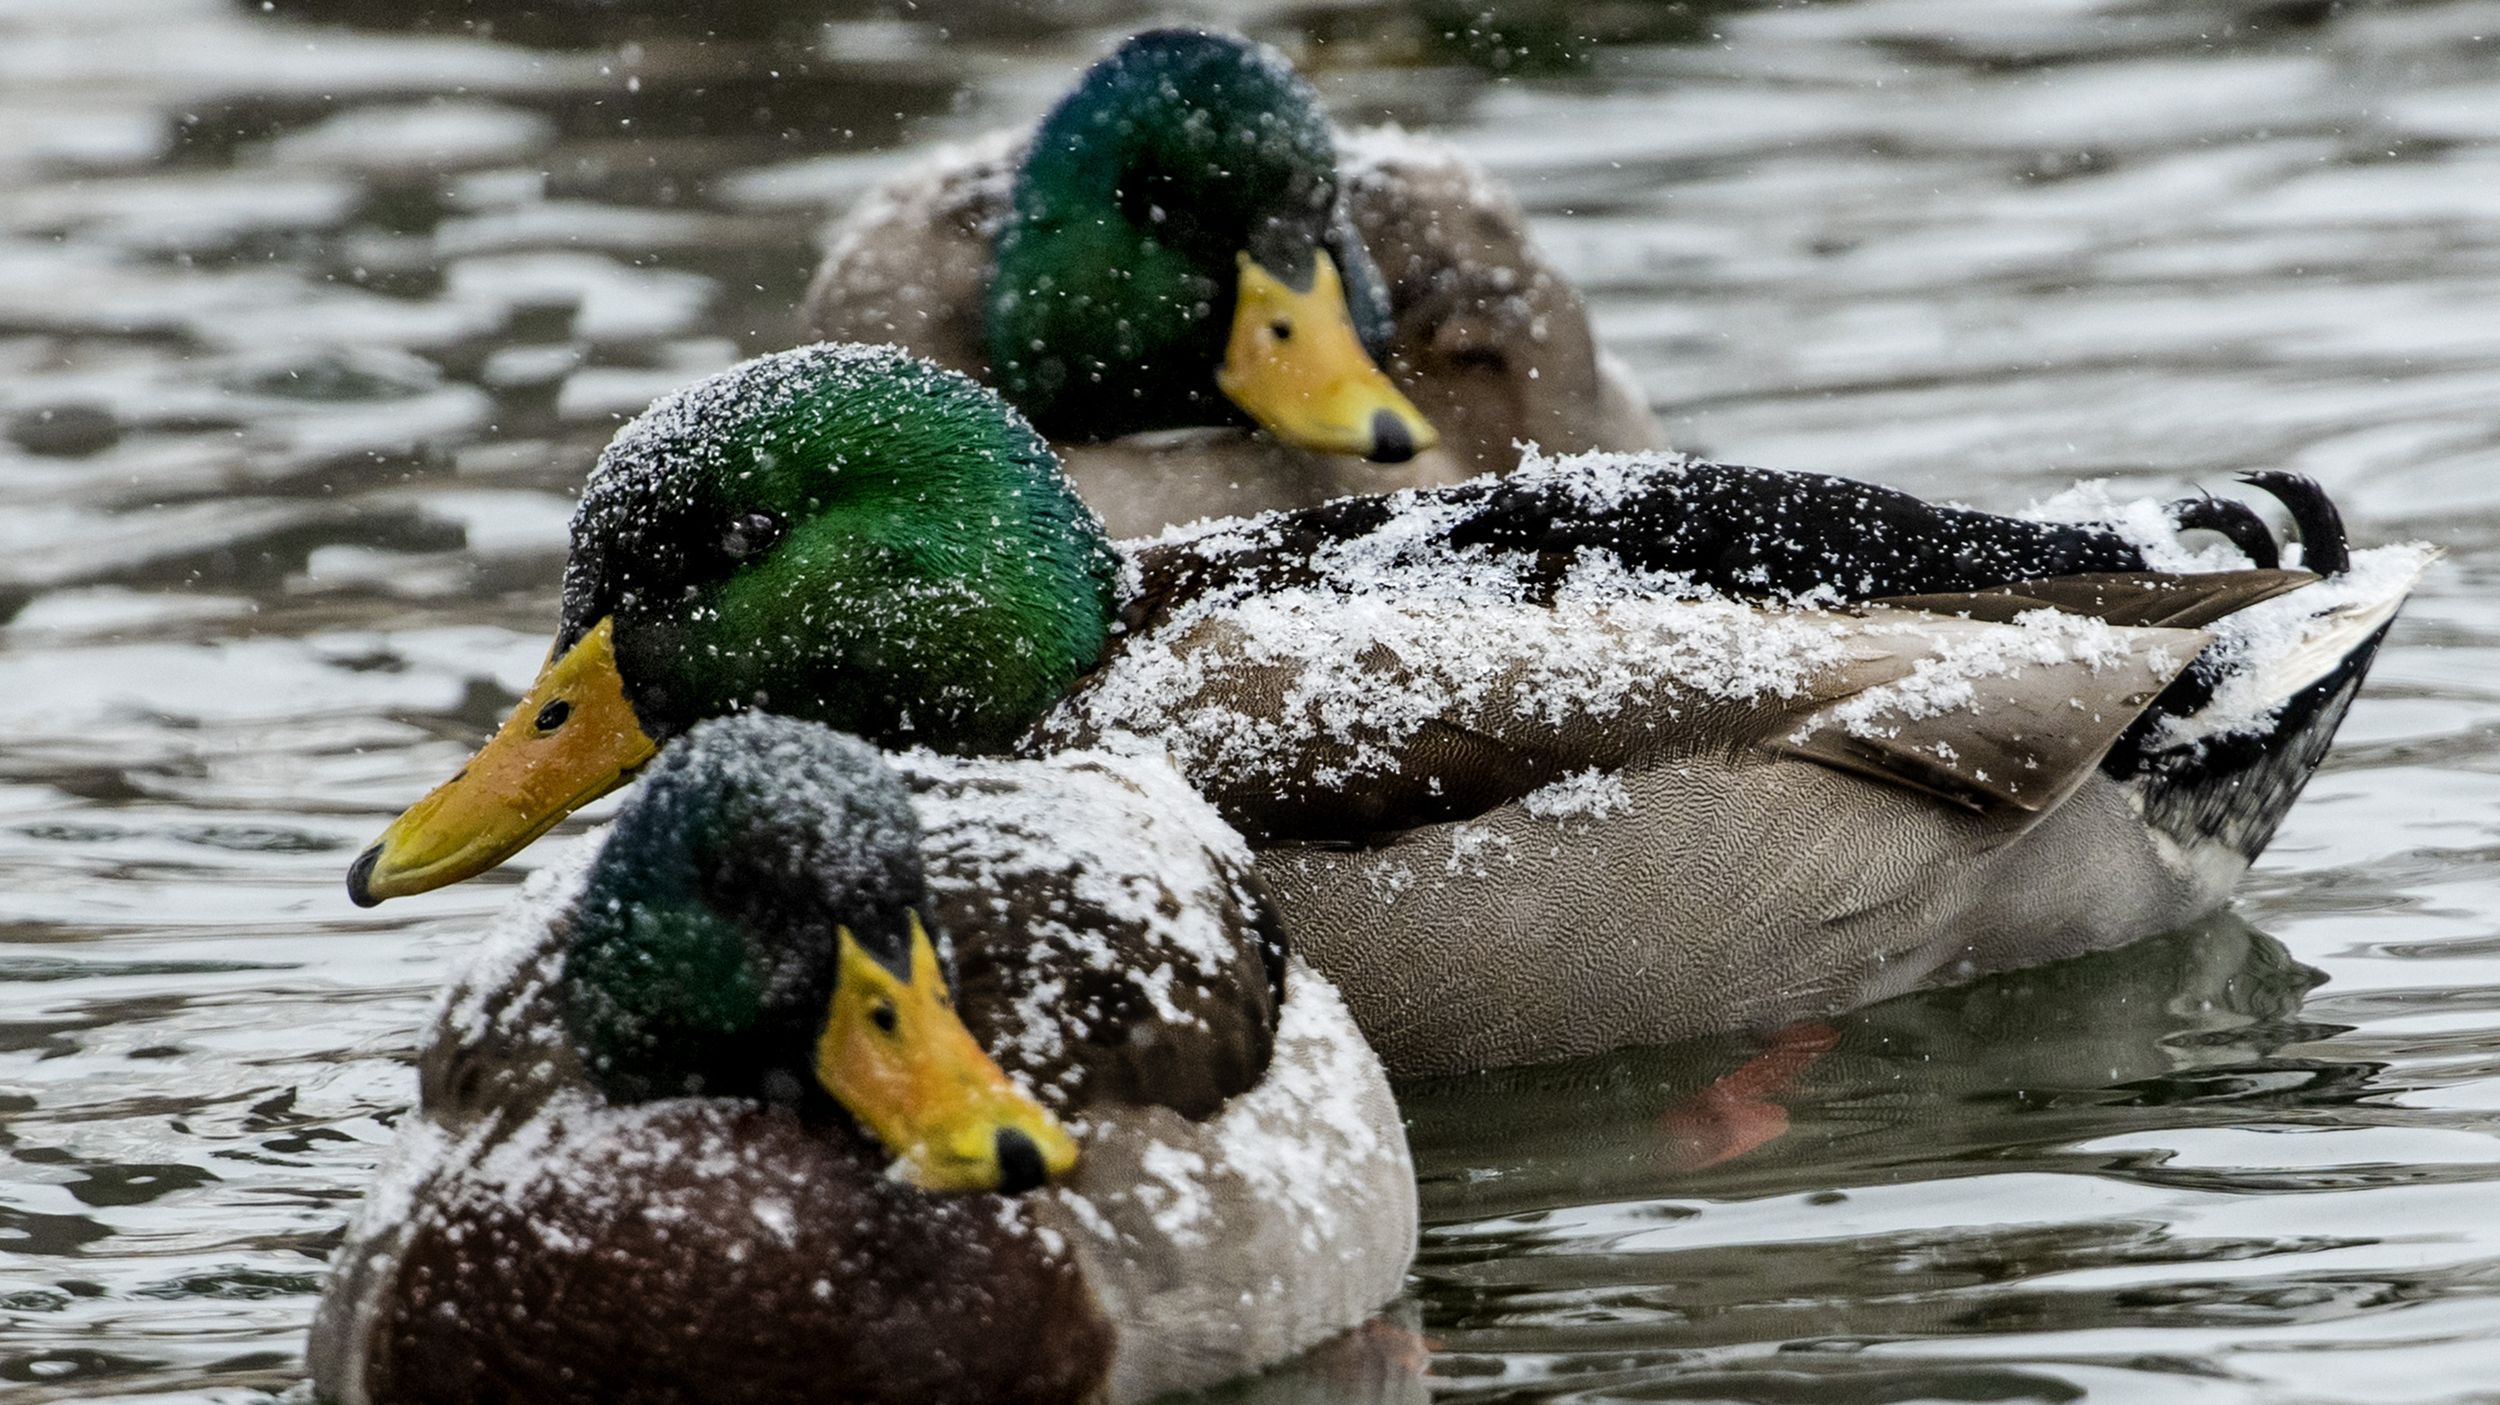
(1348, 671)
(1375, 722)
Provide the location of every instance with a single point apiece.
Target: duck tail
(2324, 549)
(2226, 750)
(2235, 520)
(2316, 523)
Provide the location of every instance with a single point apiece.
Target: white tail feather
(2272, 650)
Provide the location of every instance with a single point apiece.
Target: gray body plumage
(1741, 890)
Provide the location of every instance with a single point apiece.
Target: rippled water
(312, 313)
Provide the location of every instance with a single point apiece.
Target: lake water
(313, 313)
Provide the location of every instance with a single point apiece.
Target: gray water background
(312, 315)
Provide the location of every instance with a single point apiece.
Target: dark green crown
(846, 534)
(1112, 288)
(703, 950)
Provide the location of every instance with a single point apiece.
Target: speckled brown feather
(2021, 746)
(512, 1292)
(1212, 1044)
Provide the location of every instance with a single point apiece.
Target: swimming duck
(716, 1118)
(1184, 248)
(1613, 750)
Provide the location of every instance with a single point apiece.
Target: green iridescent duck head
(840, 533)
(758, 921)
(1178, 253)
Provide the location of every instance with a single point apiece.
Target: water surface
(312, 315)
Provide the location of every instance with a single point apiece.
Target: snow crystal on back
(1135, 845)
(2145, 524)
(1384, 633)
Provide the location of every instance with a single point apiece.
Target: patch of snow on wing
(1475, 849)
(1601, 481)
(1946, 680)
(1586, 795)
(1175, 1192)
(1367, 670)
(1377, 636)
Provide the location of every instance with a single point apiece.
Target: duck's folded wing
(2044, 717)
(1998, 718)
(1313, 715)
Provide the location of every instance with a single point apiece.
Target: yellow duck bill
(573, 739)
(895, 1054)
(1296, 365)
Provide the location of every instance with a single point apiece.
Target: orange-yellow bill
(1296, 365)
(894, 1052)
(573, 739)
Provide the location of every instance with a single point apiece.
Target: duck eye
(750, 535)
(883, 1017)
(1280, 329)
(553, 714)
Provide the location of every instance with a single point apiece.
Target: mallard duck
(1184, 248)
(706, 1122)
(1610, 751)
